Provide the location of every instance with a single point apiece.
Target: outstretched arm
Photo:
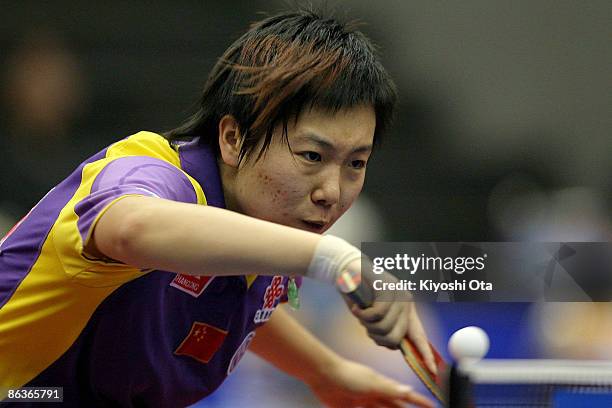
(337, 382)
(155, 233)
(161, 234)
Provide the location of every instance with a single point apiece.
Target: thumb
(416, 335)
(424, 349)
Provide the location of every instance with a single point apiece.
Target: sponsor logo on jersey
(194, 285)
(274, 292)
(240, 352)
(202, 342)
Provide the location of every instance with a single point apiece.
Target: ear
(230, 140)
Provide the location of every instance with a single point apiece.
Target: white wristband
(332, 256)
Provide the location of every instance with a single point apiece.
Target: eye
(311, 156)
(358, 164)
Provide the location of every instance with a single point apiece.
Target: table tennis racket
(349, 283)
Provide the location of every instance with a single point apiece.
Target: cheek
(280, 189)
(349, 196)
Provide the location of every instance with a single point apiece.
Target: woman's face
(313, 184)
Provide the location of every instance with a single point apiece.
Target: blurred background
(503, 132)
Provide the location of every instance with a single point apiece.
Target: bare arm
(287, 345)
(335, 381)
(161, 234)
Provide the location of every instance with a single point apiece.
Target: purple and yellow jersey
(110, 333)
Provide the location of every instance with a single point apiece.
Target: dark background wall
(503, 131)
(489, 91)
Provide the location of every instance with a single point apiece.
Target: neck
(228, 181)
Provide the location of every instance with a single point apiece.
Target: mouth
(314, 226)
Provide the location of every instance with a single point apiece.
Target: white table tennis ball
(470, 343)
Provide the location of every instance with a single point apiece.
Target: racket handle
(351, 285)
(362, 296)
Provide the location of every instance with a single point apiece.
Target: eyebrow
(326, 144)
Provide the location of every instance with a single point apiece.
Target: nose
(327, 191)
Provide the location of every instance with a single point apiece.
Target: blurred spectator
(574, 330)
(43, 93)
(520, 209)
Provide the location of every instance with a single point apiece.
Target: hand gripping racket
(349, 283)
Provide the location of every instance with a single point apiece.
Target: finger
(419, 400)
(394, 337)
(390, 403)
(381, 341)
(416, 334)
(394, 391)
(386, 325)
(398, 333)
(374, 313)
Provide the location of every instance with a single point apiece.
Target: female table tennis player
(142, 278)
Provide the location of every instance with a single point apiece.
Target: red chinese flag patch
(202, 342)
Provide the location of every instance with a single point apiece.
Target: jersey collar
(199, 161)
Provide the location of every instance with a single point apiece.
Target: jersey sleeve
(132, 176)
(103, 184)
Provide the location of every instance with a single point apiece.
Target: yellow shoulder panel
(58, 296)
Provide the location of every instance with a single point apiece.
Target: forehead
(346, 129)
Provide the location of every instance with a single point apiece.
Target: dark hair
(285, 64)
